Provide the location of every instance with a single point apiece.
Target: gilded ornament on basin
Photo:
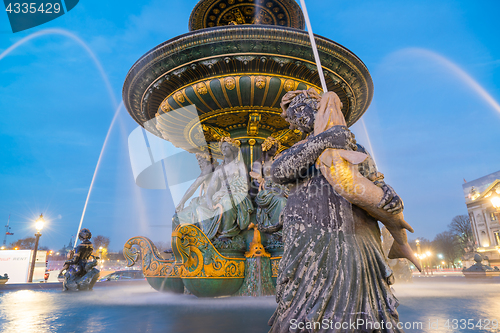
(230, 83)
(260, 82)
(201, 88)
(179, 97)
(289, 85)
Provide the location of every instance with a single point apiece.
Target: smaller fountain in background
(81, 273)
(479, 270)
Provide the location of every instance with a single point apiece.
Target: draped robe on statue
(232, 205)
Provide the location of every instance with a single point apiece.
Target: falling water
(139, 200)
(445, 63)
(75, 38)
(454, 68)
(97, 168)
(369, 141)
(98, 64)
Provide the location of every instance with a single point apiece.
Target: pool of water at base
(427, 305)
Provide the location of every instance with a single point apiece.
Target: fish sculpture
(339, 167)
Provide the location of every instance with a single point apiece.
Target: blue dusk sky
(434, 119)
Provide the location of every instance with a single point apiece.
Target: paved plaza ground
(427, 305)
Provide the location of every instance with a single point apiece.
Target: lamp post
(419, 255)
(429, 262)
(39, 226)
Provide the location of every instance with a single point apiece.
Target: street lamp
(39, 226)
(419, 254)
(428, 255)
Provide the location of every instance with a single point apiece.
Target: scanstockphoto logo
(31, 13)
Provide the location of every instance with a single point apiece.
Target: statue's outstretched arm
(191, 190)
(391, 201)
(295, 162)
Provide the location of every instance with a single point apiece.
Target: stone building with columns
(480, 196)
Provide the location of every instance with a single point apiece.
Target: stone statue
(271, 197)
(479, 266)
(188, 214)
(333, 267)
(81, 273)
(228, 206)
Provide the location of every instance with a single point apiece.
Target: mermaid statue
(333, 268)
(226, 211)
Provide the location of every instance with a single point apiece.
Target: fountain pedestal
(257, 280)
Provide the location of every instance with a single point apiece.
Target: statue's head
(229, 147)
(84, 234)
(271, 146)
(300, 108)
(205, 159)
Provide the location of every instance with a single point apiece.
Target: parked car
(123, 275)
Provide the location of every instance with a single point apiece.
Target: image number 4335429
(26, 14)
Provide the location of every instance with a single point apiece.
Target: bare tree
(99, 241)
(460, 225)
(27, 243)
(449, 245)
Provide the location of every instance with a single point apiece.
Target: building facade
(483, 215)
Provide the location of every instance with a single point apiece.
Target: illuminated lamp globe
(39, 223)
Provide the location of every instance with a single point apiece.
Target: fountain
(225, 79)
(480, 270)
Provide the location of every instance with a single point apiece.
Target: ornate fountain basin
(235, 76)
(198, 265)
